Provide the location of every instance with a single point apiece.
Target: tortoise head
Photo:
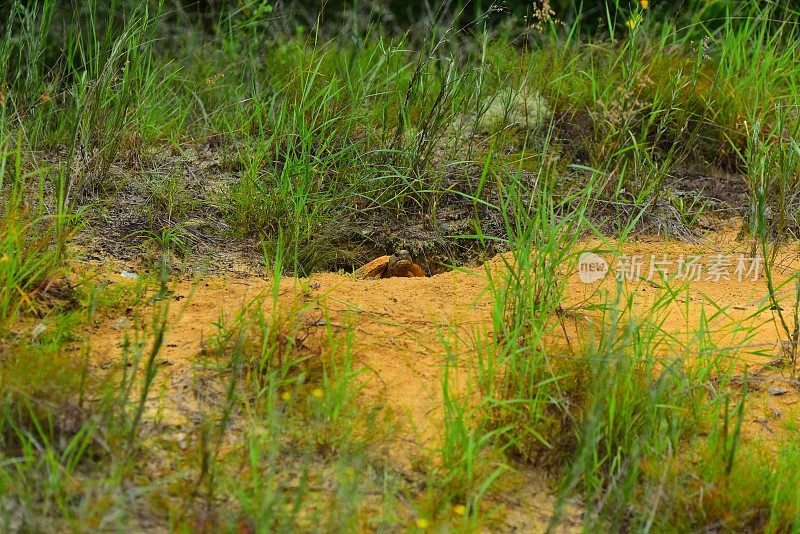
(399, 263)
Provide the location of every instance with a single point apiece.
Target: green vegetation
(186, 132)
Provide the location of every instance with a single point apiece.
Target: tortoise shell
(398, 264)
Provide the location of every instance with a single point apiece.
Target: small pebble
(121, 324)
(38, 330)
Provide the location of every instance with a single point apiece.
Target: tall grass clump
(33, 235)
(773, 171)
(86, 82)
(351, 129)
(517, 378)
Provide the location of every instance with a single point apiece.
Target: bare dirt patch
(404, 328)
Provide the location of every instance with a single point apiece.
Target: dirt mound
(404, 328)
